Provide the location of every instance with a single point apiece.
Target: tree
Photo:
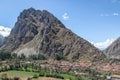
(16, 78)
(0, 68)
(22, 56)
(6, 68)
(4, 55)
(41, 57)
(78, 78)
(33, 57)
(29, 69)
(4, 77)
(37, 57)
(29, 79)
(42, 72)
(23, 69)
(3, 68)
(58, 57)
(14, 56)
(35, 76)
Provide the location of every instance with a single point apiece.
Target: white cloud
(4, 31)
(65, 16)
(115, 14)
(115, 1)
(107, 15)
(104, 44)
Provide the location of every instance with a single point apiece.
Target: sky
(94, 20)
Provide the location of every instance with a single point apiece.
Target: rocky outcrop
(40, 32)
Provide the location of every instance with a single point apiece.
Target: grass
(67, 76)
(24, 75)
(22, 72)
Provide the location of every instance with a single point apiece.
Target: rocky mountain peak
(41, 32)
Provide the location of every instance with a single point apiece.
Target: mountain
(39, 31)
(113, 51)
(1, 39)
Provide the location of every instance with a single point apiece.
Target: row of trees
(8, 55)
(5, 55)
(4, 68)
(50, 74)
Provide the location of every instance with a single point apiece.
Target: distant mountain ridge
(113, 51)
(1, 39)
(41, 32)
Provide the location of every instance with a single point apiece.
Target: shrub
(16, 78)
(29, 79)
(37, 57)
(22, 56)
(29, 69)
(4, 77)
(35, 76)
(42, 73)
(23, 69)
(59, 57)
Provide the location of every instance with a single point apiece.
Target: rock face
(113, 51)
(40, 32)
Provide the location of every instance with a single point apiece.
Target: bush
(37, 57)
(42, 73)
(55, 75)
(29, 79)
(4, 77)
(16, 78)
(59, 57)
(41, 57)
(29, 69)
(35, 76)
(23, 69)
(22, 56)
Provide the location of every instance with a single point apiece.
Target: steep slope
(113, 51)
(40, 32)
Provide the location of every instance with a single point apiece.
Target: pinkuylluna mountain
(113, 51)
(39, 31)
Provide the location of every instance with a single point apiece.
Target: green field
(66, 76)
(24, 75)
(22, 72)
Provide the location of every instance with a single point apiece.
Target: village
(66, 66)
(78, 68)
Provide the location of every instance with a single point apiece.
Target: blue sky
(95, 20)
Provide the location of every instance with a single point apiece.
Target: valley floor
(23, 75)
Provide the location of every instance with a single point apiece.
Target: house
(115, 77)
(108, 78)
